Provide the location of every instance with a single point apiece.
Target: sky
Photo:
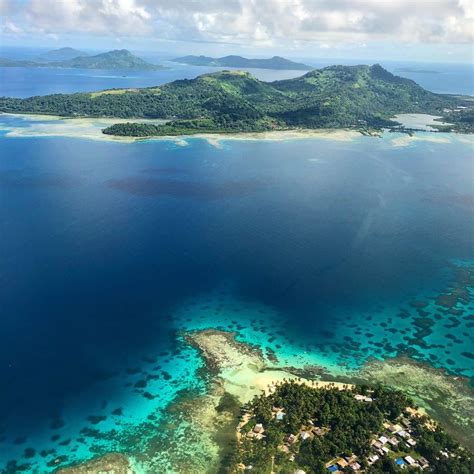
(411, 30)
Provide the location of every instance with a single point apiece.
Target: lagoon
(327, 252)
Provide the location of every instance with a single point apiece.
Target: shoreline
(49, 126)
(92, 129)
(236, 371)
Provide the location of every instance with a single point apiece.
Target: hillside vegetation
(117, 59)
(333, 97)
(298, 428)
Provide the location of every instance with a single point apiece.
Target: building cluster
(395, 441)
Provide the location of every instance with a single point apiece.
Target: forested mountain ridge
(116, 59)
(276, 62)
(332, 97)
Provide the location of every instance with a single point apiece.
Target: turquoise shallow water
(326, 252)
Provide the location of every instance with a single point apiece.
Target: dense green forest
(340, 427)
(332, 97)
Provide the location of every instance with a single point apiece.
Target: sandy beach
(91, 128)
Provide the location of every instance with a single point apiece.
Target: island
(357, 97)
(306, 429)
(276, 62)
(116, 59)
(62, 54)
(257, 415)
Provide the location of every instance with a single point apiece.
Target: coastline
(235, 372)
(90, 128)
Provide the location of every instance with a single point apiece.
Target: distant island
(62, 54)
(117, 59)
(417, 71)
(359, 97)
(302, 428)
(276, 62)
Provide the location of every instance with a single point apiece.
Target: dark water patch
(140, 383)
(12, 467)
(29, 453)
(419, 304)
(47, 452)
(184, 189)
(96, 419)
(91, 433)
(166, 375)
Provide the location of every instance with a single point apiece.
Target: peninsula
(117, 59)
(257, 412)
(358, 97)
(276, 62)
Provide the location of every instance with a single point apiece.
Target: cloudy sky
(426, 30)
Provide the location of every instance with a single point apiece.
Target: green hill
(276, 62)
(333, 97)
(7, 62)
(117, 59)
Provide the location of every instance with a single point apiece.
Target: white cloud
(10, 27)
(259, 22)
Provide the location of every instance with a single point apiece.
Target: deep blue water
(100, 240)
(101, 244)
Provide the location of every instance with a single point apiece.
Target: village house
(258, 428)
(304, 435)
(423, 462)
(393, 441)
(280, 415)
(373, 458)
(342, 463)
(362, 398)
(377, 444)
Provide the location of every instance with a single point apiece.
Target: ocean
(326, 251)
